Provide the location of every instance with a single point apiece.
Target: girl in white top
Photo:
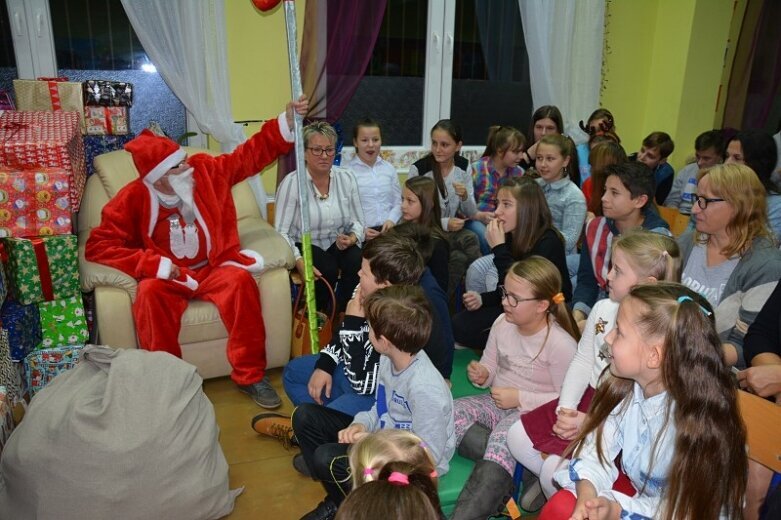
(378, 181)
(639, 257)
(670, 409)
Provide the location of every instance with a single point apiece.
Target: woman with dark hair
(545, 120)
(757, 150)
(523, 227)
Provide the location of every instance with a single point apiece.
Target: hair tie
(433, 474)
(558, 298)
(682, 299)
(398, 478)
(367, 472)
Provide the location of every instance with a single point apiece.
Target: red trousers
(562, 503)
(160, 304)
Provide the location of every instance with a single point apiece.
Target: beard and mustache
(184, 241)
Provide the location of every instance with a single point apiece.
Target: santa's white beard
(183, 185)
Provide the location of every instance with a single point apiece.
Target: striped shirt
(339, 213)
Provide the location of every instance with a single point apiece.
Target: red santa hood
(154, 155)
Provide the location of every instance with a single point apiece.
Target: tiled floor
(272, 488)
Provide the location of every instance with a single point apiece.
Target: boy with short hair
(709, 150)
(656, 148)
(627, 204)
(411, 395)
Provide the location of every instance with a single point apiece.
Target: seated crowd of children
(607, 345)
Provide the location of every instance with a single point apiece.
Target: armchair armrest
(94, 275)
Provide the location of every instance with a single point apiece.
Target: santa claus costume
(145, 232)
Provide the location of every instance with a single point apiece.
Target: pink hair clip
(433, 474)
(368, 472)
(398, 478)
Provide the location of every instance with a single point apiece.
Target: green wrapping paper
(42, 269)
(63, 323)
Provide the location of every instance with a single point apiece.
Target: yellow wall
(664, 67)
(258, 65)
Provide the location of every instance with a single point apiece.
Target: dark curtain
(330, 75)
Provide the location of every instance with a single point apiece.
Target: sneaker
(532, 498)
(325, 510)
(262, 393)
(274, 425)
(301, 466)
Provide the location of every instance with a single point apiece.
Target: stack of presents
(47, 145)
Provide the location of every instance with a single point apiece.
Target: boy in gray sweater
(411, 394)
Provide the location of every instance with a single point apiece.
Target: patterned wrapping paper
(6, 417)
(95, 145)
(9, 374)
(98, 92)
(63, 323)
(3, 279)
(43, 268)
(55, 94)
(106, 120)
(34, 202)
(23, 325)
(41, 366)
(44, 140)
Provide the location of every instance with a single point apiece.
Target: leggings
(481, 409)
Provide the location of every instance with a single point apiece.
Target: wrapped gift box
(106, 120)
(6, 417)
(95, 145)
(55, 94)
(99, 92)
(63, 323)
(9, 374)
(44, 140)
(41, 366)
(34, 202)
(42, 268)
(23, 325)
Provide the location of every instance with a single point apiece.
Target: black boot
(486, 492)
(474, 442)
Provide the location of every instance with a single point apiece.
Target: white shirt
(339, 213)
(632, 431)
(379, 189)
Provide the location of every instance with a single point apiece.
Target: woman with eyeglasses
(731, 258)
(522, 227)
(335, 215)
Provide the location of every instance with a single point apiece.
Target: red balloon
(265, 5)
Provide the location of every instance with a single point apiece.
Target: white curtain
(186, 41)
(564, 40)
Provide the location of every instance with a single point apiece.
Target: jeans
(295, 379)
(478, 228)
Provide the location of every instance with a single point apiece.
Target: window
(464, 60)
(86, 40)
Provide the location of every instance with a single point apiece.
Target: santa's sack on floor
(124, 434)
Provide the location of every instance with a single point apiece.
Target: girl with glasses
(529, 349)
(731, 258)
(335, 215)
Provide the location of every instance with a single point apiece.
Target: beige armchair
(203, 335)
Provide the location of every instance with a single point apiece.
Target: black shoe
(262, 393)
(325, 510)
(300, 465)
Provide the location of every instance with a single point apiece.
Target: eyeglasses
(703, 202)
(512, 299)
(317, 152)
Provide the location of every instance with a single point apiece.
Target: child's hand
(476, 373)
(387, 225)
(355, 305)
(585, 491)
(484, 216)
(601, 508)
(472, 300)
(345, 241)
(505, 398)
(494, 233)
(352, 433)
(319, 382)
(455, 224)
(568, 423)
(371, 233)
(460, 190)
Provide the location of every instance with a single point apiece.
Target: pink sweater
(508, 357)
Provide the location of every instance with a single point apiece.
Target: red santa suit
(142, 237)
